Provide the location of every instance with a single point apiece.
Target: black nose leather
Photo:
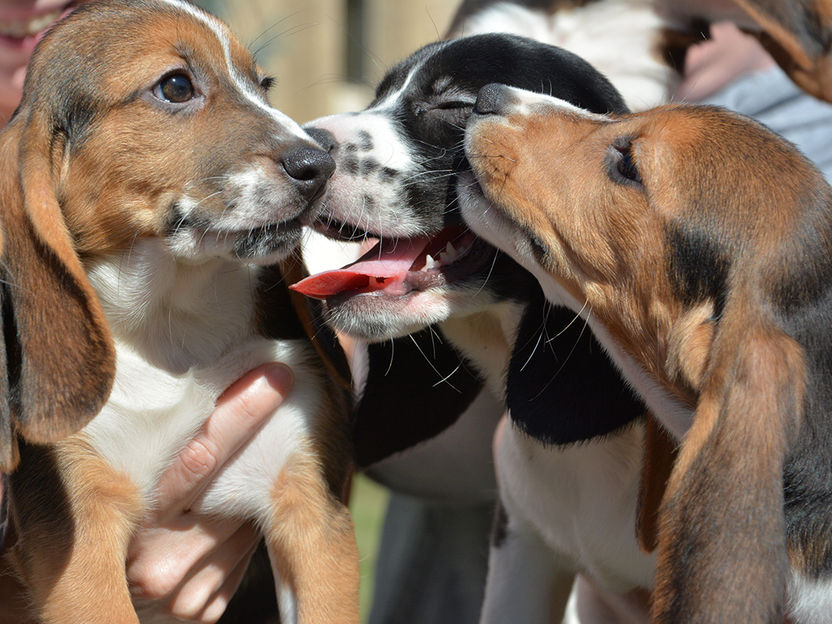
(322, 137)
(309, 168)
(491, 99)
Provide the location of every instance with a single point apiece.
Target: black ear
(561, 387)
(416, 387)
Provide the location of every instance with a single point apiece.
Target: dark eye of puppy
(267, 82)
(621, 166)
(176, 88)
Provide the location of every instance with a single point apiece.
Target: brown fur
(310, 539)
(799, 38)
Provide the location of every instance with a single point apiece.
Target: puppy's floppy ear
(797, 34)
(722, 549)
(60, 356)
(561, 386)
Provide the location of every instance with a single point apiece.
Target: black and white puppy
(398, 165)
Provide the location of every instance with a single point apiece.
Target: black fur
(561, 386)
(698, 266)
(404, 404)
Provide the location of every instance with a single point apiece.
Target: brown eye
(176, 88)
(622, 166)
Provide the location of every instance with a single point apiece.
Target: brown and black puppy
(697, 245)
(153, 193)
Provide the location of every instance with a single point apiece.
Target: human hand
(185, 564)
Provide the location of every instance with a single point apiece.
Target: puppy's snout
(492, 99)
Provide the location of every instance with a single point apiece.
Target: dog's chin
(378, 316)
(263, 245)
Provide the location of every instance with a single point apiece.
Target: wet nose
(491, 99)
(309, 167)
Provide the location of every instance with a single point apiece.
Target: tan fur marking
(89, 586)
(312, 542)
(689, 345)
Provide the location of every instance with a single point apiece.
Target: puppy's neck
(176, 315)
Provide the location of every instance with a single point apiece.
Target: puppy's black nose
(309, 168)
(491, 99)
(322, 137)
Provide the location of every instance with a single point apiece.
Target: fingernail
(280, 377)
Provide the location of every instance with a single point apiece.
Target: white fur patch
(599, 32)
(809, 601)
(183, 334)
(569, 510)
(374, 175)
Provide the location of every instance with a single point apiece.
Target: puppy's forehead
(119, 43)
(469, 63)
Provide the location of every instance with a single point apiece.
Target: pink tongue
(385, 264)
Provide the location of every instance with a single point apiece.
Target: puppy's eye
(267, 82)
(176, 88)
(455, 105)
(453, 112)
(623, 166)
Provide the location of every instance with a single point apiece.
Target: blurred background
(327, 55)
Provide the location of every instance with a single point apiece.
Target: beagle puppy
(154, 200)
(696, 245)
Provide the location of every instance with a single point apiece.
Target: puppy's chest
(582, 500)
(152, 413)
(183, 334)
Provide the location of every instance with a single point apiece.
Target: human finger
(239, 413)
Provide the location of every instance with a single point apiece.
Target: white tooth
(430, 263)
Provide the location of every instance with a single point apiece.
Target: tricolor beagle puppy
(398, 163)
(149, 189)
(696, 245)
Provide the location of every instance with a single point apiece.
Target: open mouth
(398, 267)
(17, 29)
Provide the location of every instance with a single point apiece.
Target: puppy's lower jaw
(262, 245)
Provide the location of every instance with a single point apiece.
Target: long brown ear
(798, 35)
(722, 544)
(60, 355)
